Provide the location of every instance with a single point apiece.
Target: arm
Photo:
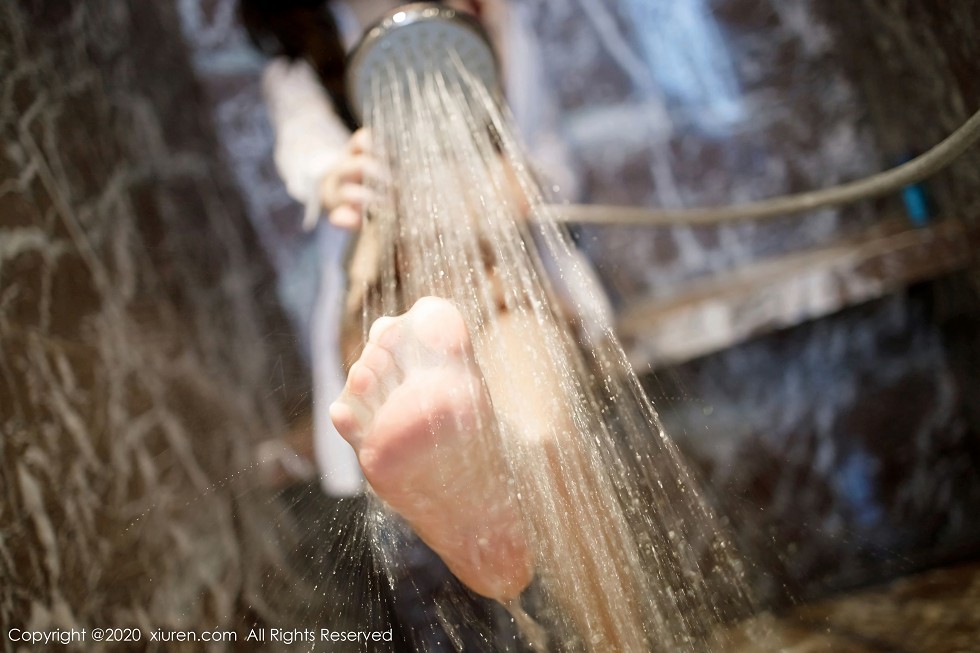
(320, 162)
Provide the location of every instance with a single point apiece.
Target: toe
(381, 362)
(438, 326)
(381, 326)
(361, 380)
(345, 420)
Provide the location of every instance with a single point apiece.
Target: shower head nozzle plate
(420, 37)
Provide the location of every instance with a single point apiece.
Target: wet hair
(302, 30)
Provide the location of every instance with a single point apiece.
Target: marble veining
(142, 348)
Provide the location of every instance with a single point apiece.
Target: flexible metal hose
(882, 183)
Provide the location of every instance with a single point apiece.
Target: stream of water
(627, 555)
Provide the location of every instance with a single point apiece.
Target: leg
(579, 553)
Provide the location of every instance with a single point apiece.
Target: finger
(330, 187)
(351, 169)
(346, 216)
(360, 141)
(356, 195)
(360, 168)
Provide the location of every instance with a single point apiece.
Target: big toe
(438, 326)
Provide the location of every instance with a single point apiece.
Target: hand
(343, 190)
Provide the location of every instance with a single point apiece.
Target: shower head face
(419, 37)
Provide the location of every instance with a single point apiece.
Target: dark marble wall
(228, 69)
(916, 65)
(143, 352)
(846, 450)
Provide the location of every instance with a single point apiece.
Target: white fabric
(340, 473)
(310, 138)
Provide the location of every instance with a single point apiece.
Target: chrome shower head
(420, 36)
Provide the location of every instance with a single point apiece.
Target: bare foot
(417, 413)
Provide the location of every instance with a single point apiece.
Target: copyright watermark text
(123, 635)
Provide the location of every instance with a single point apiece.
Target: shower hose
(882, 183)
